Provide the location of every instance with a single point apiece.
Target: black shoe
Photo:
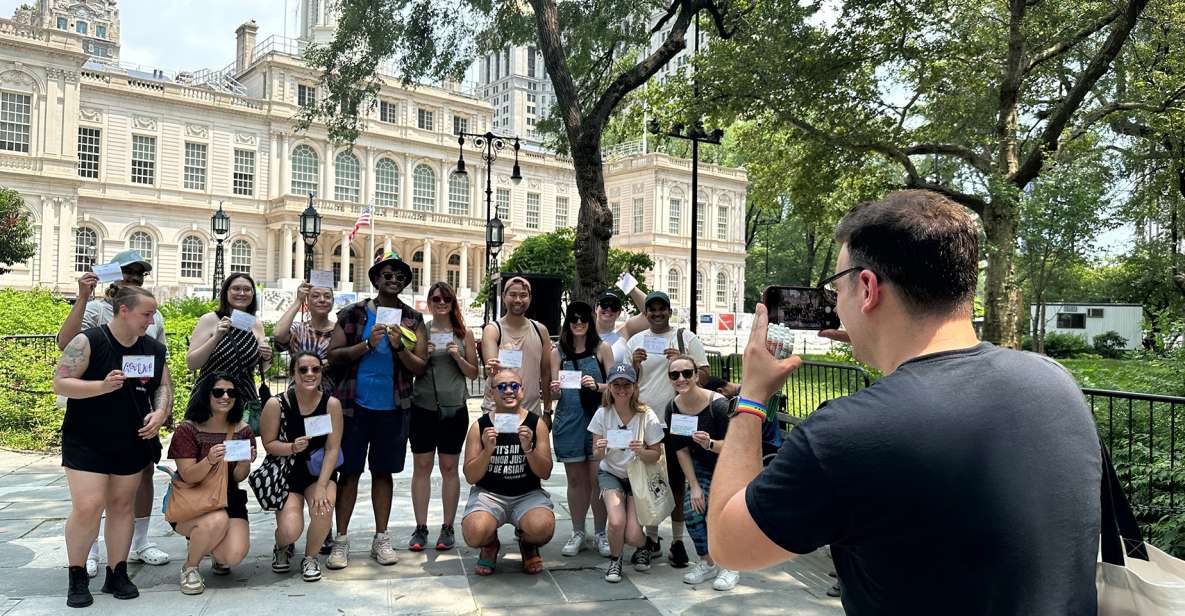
(79, 593)
(641, 558)
(655, 547)
(327, 545)
(118, 584)
(678, 555)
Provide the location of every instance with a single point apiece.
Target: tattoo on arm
(75, 358)
(163, 400)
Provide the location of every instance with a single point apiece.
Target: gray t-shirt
(965, 482)
(100, 312)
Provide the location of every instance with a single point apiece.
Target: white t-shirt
(655, 388)
(606, 419)
(618, 344)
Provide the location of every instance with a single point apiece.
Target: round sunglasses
(510, 386)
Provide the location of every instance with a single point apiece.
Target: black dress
(299, 478)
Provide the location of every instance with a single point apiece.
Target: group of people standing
(362, 387)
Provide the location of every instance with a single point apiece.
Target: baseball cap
(131, 257)
(623, 371)
(610, 299)
(657, 295)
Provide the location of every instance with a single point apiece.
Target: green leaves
(16, 230)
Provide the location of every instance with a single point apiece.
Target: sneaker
(603, 544)
(339, 556)
(92, 567)
(613, 575)
(419, 538)
(678, 556)
(281, 559)
(727, 580)
(327, 545)
(641, 558)
(78, 593)
(574, 545)
(191, 581)
(218, 568)
(149, 555)
(381, 550)
(700, 573)
(310, 570)
(118, 584)
(447, 539)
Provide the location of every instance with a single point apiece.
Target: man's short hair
(128, 295)
(926, 245)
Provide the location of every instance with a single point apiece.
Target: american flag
(363, 221)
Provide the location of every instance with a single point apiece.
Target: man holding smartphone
(964, 481)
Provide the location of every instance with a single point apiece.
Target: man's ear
(873, 291)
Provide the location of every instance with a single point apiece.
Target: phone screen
(800, 308)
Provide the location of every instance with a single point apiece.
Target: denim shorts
(608, 481)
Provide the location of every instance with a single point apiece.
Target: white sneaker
(603, 544)
(381, 550)
(574, 545)
(149, 555)
(339, 556)
(700, 573)
(92, 566)
(191, 581)
(726, 580)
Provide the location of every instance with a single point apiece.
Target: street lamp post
(220, 227)
(310, 229)
(489, 145)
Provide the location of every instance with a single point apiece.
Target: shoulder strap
(498, 326)
(679, 337)
(536, 325)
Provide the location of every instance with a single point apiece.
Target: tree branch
(1101, 113)
(1065, 45)
(981, 163)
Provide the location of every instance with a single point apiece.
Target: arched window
(673, 285)
(240, 257)
(347, 176)
(193, 256)
(386, 183)
(458, 195)
(453, 275)
(86, 248)
(423, 196)
(722, 289)
(142, 243)
(337, 265)
(306, 170)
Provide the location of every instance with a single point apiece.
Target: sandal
(487, 558)
(532, 561)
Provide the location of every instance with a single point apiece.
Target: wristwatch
(732, 406)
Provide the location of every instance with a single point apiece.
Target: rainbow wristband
(752, 407)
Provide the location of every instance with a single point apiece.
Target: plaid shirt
(352, 319)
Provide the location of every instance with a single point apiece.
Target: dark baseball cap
(657, 296)
(623, 371)
(610, 300)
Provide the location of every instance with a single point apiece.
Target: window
(676, 214)
(722, 289)
(62, 25)
(306, 96)
(244, 174)
(639, 214)
(193, 255)
(615, 209)
(14, 121)
(722, 223)
(143, 159)
(305, 169)
(416, 260)
(1094, 313)
(141, 242)
(531, 53)
(387, 112)
(561, 212)
(700, 281)
(502, 200)
(699, 219)
(240, 257)
(1071, 320)
(460, 125)
(424, 119)
(80, 27)
(89, 141)
(101, 31)
(423, 196)
(86, 248)
(347, 176)
(458, 195)
(195, 166)
(532, 210)
(673, 284)
(386, 183)
(453, 275)
(337, 265)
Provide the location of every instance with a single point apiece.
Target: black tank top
(508, 473)
(294, 422)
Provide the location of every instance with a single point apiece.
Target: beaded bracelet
(752, 407)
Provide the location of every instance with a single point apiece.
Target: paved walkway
(34, 503)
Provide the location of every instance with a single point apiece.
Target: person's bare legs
(235, 543)
(88, 496)
(594, 496)
(121, 496)
(450, 486)
(204, 534)
(579, 492)
(381, 492)
(347, 497)
(421, 485)
(319, 521)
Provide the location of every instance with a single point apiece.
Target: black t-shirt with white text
(508, 473)
(965, 482)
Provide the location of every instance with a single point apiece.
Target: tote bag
(269, 482)
(1133, 578)
(187, 501)
(651, 487)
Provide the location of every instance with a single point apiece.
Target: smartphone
(800, 307)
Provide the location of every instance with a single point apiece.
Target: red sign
(726, 322)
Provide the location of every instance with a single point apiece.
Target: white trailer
(1090, 320)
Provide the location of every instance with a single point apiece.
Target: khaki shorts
(506, 509)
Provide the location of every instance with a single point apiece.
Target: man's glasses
(610, 307)
(675, 374)
(219, 392)
(510, 386)
(309, 369)
(438, 299)
(397, 276)
(828, 284)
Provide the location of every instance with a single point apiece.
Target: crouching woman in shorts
(505, 468)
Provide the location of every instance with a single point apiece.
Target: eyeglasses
(309, 369)
(510, 386)
(438, 299)
(397, 276)
(218, 392)
(828, 284)
(577, 319)
(610, 307)
(675, 374)
(134, 273)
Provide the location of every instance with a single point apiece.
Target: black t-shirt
(965, 482)
(508, 473)
(713, 419)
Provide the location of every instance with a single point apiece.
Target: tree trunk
(1039, 340)
(812, 249)
(823, 271)
(594, 222)
(1002, 294)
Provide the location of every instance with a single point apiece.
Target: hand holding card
(506, 423)
(511, 358)
(237, 450)
(654, 345)
(684, 425)
(389, 316)
(242, 320)
(318, 425)
(321, 278)
(139, 366)
(619, 439)
(108, 272)
(627, 283)
(570, 379)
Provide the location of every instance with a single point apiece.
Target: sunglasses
(510, 386)
(437, 299)
(610, 307)
(309, 369)
(576, 318)
(397, 276)
(219, 392)
(675, 374)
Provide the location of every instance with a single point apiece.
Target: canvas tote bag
(649, 483)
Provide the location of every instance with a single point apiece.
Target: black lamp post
(489, 145)
(495, 237)
(220, 227)
(310, 229)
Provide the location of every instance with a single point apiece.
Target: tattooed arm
(67, 379)
(162, 404)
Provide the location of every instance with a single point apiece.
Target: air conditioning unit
(1069, 309)
(1094, 313)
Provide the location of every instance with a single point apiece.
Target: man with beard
(520, 344)
(381, 345)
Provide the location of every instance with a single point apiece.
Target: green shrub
(1110, 344)
(1065, 345)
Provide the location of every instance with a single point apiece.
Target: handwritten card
(108, 272)
(684, 425)
(238, 450)
(506, 423)
(242, 320)
(627, 283)
(139, 366)
(388, 316)
(511, 358)
(317, 425)
(654, 345)
(440, 340)
(321, 278)
(619, 439)
(570, 379)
